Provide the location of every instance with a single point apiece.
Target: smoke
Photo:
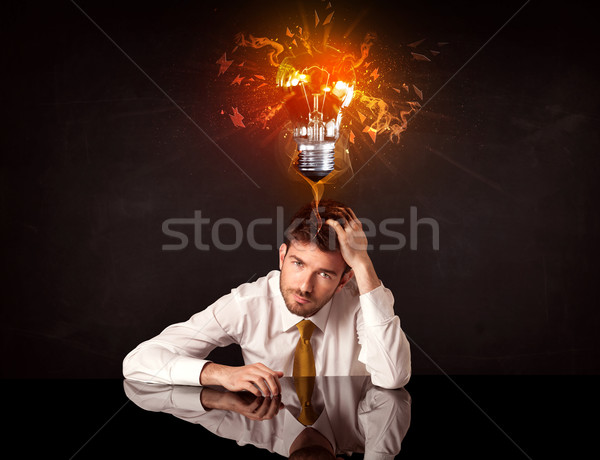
(260, 42)
(375, 113)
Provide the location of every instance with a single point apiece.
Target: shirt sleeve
(178, 354)
(385, 350)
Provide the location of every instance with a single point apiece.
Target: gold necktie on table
(304, 360)
(304, 390)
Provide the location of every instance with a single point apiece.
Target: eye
(297, 263)
(325, 275)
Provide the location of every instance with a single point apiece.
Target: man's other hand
(257, 378)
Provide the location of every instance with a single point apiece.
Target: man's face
(309, 277)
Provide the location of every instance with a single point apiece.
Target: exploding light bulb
(317, 88)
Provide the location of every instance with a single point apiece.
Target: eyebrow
(326, 270)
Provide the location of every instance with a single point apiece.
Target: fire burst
(338, 97)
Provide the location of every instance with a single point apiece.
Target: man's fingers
(346, 214)
(271, 377)
(336, 226)
(259, 381)
(272, 383)
(354, 218)
(249, 386)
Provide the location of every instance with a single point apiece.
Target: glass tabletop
(458, 417)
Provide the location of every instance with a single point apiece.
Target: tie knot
(306, 329)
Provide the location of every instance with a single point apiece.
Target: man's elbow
(394, 380)
(131, 366)
(128, 367)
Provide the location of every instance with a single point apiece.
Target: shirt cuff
(186, 370)
(377, 306)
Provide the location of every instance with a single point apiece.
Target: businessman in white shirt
(327, 278)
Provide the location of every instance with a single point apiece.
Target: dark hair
(308, 225)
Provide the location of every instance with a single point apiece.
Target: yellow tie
(304, 360)
(304, 390)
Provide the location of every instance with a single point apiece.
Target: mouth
(300, 300)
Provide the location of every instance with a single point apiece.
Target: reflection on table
(313, 418)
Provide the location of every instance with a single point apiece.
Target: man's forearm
(365, 275)
(212, 374)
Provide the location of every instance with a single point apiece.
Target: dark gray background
(95, 158)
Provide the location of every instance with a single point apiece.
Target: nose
(306, 284)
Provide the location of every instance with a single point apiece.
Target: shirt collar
(288, 319)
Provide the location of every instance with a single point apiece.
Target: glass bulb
(317, 88)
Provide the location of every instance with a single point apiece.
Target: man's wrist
(366, 277)
(209, 374)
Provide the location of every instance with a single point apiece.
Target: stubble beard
(294, 307)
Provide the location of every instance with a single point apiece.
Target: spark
(371, 132)
(418, 91)
(237, 80)
(328, 18)
(420, 57)
(415, 44)
(237, 118)
(223, 63)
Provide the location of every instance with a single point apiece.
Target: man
(324, 313)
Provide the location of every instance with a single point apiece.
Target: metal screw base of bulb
(316, 164)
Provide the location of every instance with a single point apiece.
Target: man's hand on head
(353, 248)
(257, 378)
(352, 238)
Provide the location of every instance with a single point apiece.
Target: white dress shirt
(355, 335)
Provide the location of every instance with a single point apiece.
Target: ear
(345, 278)
(282, 252)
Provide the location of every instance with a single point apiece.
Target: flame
(368, 114)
